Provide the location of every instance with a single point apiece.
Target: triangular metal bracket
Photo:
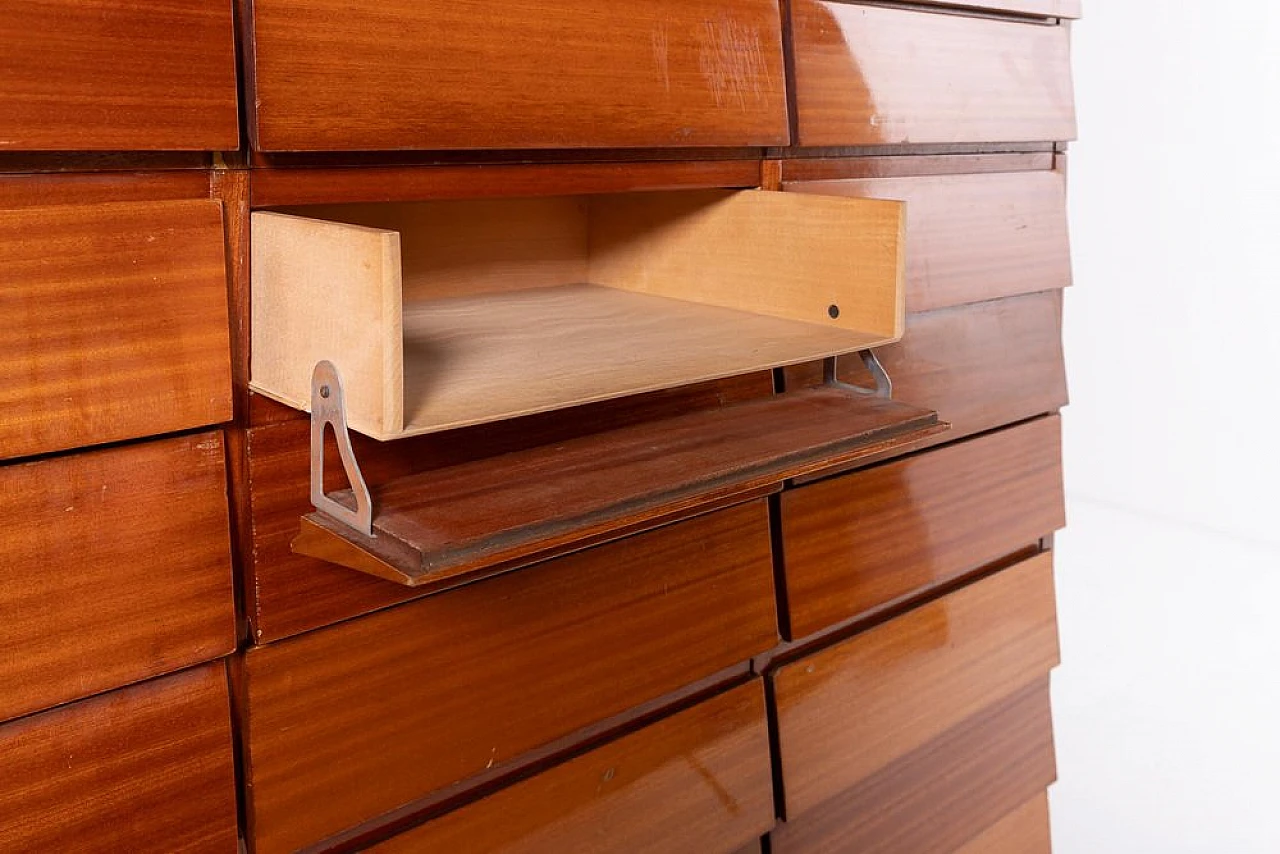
(884, 385)
(328, 407)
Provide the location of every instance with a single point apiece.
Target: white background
(1167, 705)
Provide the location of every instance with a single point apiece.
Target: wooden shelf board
(453, 525)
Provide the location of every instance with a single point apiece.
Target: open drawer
(446, 314)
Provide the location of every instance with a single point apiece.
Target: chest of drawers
(832, 638)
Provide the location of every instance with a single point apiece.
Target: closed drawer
(698, 781)
(866, 539)
(100, 75)
(147, 768)
(973, 237)
(877, 717)
(1023, 831)
(564, 74)
(115, 323)
(869, 75)
(117, 568)
(350, 722)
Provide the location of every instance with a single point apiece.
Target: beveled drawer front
(853, 543)
(115, 323)
(944, 793)
(101, 75)
(117, 568)
(973, 237)
(868, 75)
(699, 781)
(349, 722)
(403, 74)
(147, 768)
(1023, 831)
(853, 710)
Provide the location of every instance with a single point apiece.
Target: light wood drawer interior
(871, 75)
(349, 722)
(115, 323)
(446, 314)
(117, 567)
(146, 769)
(973, 237)
(699, 780)
(564, 74)
(850, 712)
(866, 539)
(99, 75)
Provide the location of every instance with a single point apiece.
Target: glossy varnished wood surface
(980, 366)
(100, 75)
(288, 593)
(449, 523)
(115, 323)
(146, 769)
(943, 793)
(973, 237)
(696, 782)
(117, 568)
(869, 75)
(850, 711)
(857, 542)
(359, 719)
(561, 74)
(1023, 831)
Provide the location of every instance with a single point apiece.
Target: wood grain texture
(381, 184)
(93, 188)
(561, 74)
(1023, 831)
(146, 769)
(117, 568)
(115, 323)
(446, 314)
(974, 237)
(351, 722)
(446, 525)
(873, 537)
(868, 75)
(980, 366)
(287, 593)
(698, 781)
(101, 75)
(938, 797)
(850, 711)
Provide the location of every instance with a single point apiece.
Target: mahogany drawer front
(100, 75)
(866, 539)
(973, 237)
(698, 781)
(146, 768)
(117, 568)
(562, 74)
(870, 75)
(950, 794)
(115, 323)
(869, 704)
(349, 722)
(1023, 831)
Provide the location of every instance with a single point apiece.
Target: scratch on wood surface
(733, 63)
